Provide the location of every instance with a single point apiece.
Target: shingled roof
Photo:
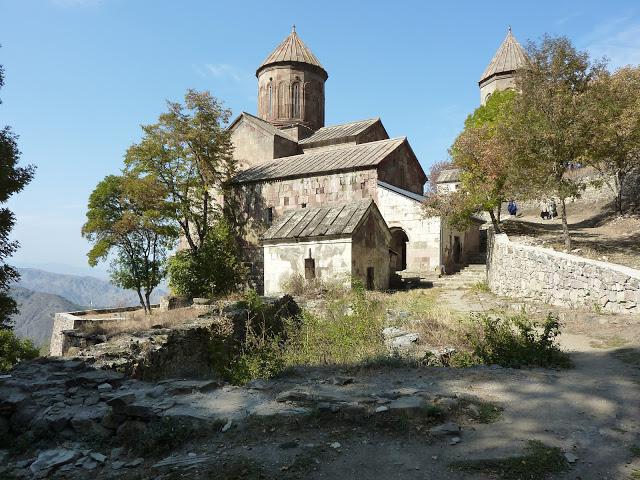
(345, 130)
(352, 157)
(509, 58)
(292, 49)
(449, 175)
(304, 223)
(260, 123)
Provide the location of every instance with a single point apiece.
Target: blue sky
(82, 75)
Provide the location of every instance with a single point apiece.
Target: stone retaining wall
(72, 320)
(557, 278)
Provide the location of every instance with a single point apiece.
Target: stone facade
(562, 279)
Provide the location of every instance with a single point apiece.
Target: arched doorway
(398, 248)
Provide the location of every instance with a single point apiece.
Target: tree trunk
(619, 187)
(494, 221)
(147, 295)
(144, 305)
(565, 225)
(499, 212)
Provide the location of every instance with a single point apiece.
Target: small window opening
(269, 215)
(304, 205)
(309, 267)
(370, 278)
(286, 200)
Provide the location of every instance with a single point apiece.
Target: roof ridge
(267, 125)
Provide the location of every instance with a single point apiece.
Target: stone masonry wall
(558, 278)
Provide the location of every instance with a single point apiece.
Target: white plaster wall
(423, 247)
(282, 260)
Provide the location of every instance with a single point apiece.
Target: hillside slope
(36, 313)
(81, 290)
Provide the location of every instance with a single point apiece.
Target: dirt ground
(597, 232)
(590, 412)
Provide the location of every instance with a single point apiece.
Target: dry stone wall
(557, 278)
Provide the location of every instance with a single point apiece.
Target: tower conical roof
(292, 49)
(509, 58)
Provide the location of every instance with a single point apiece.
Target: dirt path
(591, 411)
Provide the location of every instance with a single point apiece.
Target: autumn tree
(614, 113)
(13, 178)
(189, 152)
(549, 130)
(126, 222)
(480, 152)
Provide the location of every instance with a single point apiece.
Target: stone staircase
(467, 277)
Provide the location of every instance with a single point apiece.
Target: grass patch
(635, 474)
(635, 451)
(537, 462)
(488, 412)
(480, 287)
(612, 342)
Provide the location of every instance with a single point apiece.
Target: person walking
(544, 210)
(553, 209)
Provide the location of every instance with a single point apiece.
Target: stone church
(340, 201)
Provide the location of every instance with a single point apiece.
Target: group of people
(548, 209)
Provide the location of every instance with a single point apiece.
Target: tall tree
(480, 152)
(549, 128)
(190, 153)
(13, 179)
(126, 219)
(614, 111)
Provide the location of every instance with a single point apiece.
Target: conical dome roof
(292, 49)
(509, 58)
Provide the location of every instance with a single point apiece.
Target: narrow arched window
(295, 99)
(270, 100)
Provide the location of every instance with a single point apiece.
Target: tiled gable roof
(335, 220)
(333, 132)
(449, 175)
(263, 124)
(352, 157)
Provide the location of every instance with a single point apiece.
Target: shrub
(350, 332)
(518, 342)
(215, 268)
(13, 350)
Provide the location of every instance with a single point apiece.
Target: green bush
(517, 342)
(213, 270)
(13, 350)
(350, 332)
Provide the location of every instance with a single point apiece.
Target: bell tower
(291, 86)
(500, 74)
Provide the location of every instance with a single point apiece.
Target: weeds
(518, 342)
(480, 287)
(538, 461)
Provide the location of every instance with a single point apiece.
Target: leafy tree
(481, 154)
(126, 217)
(213, 269)
(614, 112)
(190, 153)
(12, 180)
(549, 130)
(13, 350)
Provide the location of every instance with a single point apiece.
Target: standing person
(553, 209)
(544, 209)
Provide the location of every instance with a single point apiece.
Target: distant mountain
(88, 291)
(36, 313)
